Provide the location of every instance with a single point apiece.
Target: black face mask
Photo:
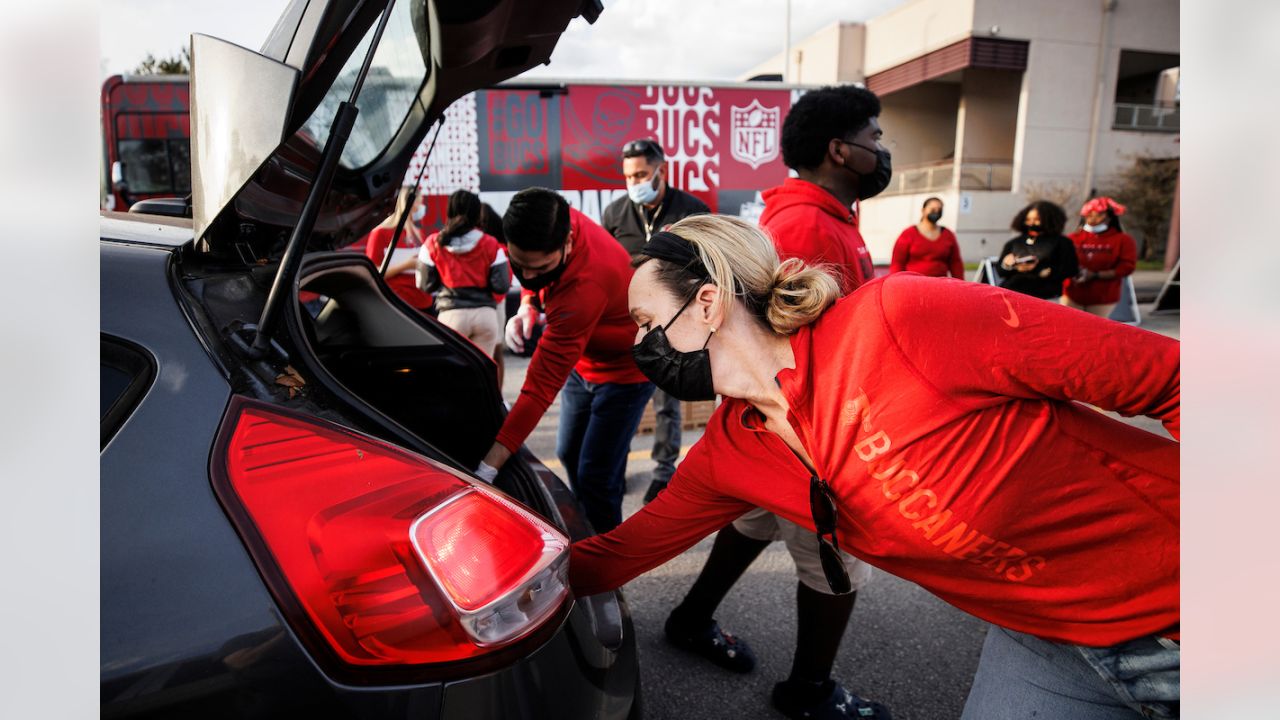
(682, 375)
(541, 281)
(1032, 230)
(874, 182)
(934, 217)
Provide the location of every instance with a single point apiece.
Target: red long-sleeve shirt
(945, 415)
(808, 222)
(404, 284)
(1108, 250)
(589, 328)
(913, 252)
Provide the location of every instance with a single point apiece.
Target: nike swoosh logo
(1012, 321)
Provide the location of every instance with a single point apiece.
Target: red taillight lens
(396, 560)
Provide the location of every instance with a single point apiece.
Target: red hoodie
(1108, 250)
(946, 417)
(808, 222)
(589, 328)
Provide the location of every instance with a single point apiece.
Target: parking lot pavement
(904, 647)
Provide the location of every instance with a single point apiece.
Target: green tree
(179, 64)
(1146, 187)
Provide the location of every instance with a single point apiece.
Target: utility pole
(786, 45)
(1100, 83)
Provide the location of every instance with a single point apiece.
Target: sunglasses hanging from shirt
(823, 508)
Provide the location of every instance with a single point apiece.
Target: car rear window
(127, 372)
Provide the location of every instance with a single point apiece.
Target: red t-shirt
(947, 418)
(808, 222)
(589, 328)
(404, 284)
(1108, 250)
(916, 253)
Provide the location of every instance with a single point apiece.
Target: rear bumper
(572, 676)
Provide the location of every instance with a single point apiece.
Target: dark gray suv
(288, 520)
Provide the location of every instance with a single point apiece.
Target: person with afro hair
(1039, 259)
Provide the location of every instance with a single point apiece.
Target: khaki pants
(802, 543)
(1103, 311)
(479, 325)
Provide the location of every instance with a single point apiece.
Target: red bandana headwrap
(1101, 205)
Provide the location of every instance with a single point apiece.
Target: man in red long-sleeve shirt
(575, 273)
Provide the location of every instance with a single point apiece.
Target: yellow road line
(554, 463)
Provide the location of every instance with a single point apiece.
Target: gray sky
(633, 39)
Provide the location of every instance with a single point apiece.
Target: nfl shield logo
(754, 133)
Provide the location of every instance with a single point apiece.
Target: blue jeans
(597, 422)
(666, 436)
(1021, 676)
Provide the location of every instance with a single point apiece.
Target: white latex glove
(520, 326)
(486, 472)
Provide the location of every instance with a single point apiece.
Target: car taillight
(395, 559)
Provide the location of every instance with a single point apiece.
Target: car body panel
(188, 625)
(163, 535)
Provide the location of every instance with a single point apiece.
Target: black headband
(671, 247)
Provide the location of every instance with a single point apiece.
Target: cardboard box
(692, 415)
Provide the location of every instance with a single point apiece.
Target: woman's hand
(400, 267)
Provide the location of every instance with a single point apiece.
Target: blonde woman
(937, 431)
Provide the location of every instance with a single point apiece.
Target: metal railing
(1148, 118)
(938, 176)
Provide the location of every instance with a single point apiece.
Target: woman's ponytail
(462, 214)
(740, 257)
(799, 296)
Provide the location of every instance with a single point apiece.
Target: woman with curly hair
(1039, 259)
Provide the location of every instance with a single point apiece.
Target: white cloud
(688, 39)
(129, 29)
(632, 40)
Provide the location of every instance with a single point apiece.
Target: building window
(1146, 97)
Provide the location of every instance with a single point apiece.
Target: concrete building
(989, 102)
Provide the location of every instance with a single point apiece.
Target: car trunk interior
(425, 378)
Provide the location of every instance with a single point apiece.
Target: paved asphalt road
(903, 647)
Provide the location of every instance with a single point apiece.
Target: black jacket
(1056, 253)
(626, 221)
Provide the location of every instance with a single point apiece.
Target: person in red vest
(465, 268)
(573, 278)
(947, 433)
(927, 247)
(401, 275)
(831, 138)
(1107, 255)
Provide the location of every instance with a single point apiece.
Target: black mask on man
(871, 185)
(874, 182)
(541, 281)
(682, 375)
